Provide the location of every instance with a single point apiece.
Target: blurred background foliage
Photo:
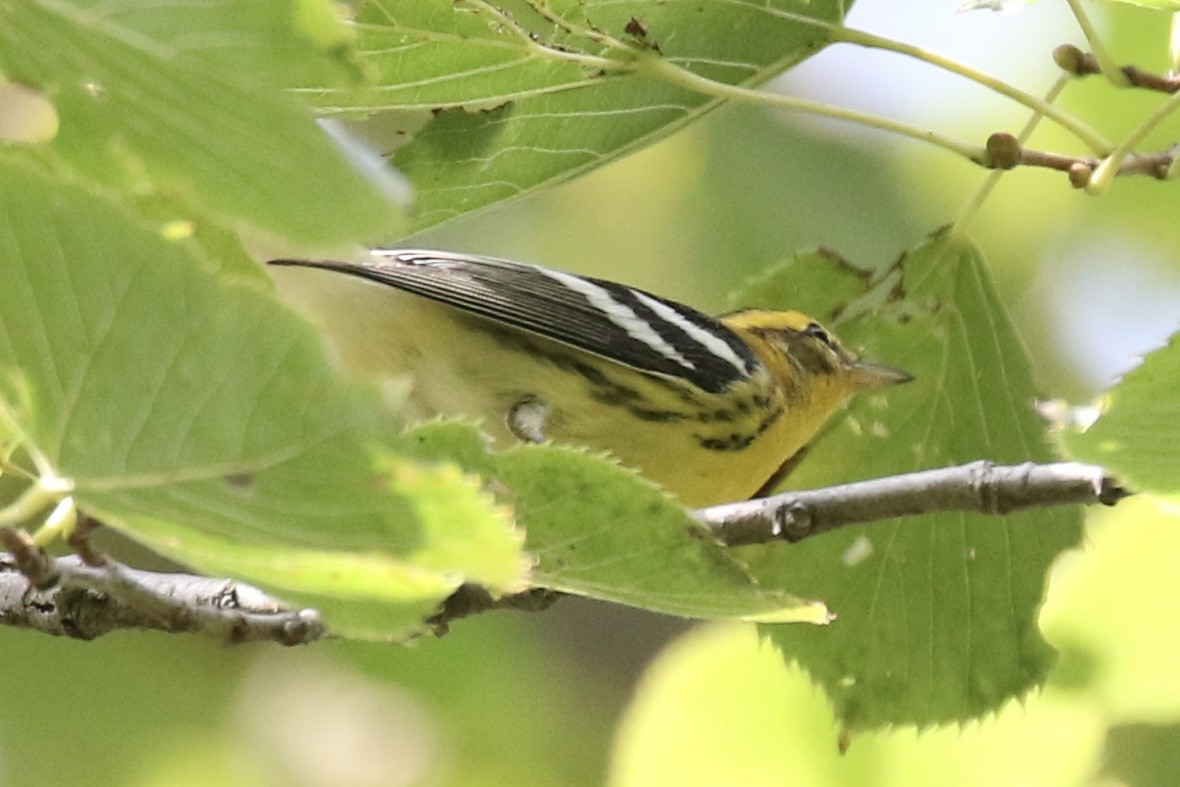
(572, 696)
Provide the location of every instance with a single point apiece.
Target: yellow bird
(709, 408)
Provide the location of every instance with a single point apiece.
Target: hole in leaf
(26, 115)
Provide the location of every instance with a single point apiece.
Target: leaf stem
(1112, 164)
(656, 65)
(41, 494)
(59, 524)
(1088, 136)
(661, 68)
(1110, 69)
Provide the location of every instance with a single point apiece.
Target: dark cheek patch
(811, 358)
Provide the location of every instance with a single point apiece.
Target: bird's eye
(816, 331)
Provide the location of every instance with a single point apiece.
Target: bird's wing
(619, 323)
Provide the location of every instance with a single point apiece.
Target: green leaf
(1113, 613)
(596, 529)
(200, 417)
(281, 43)
(937, 614)
(1159, 5)
(152, 110)
(539, 92)
(717, 707)
(1136, 436)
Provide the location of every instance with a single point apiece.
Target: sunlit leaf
(147, 108)
(598, 530)
(200, 417)
(1113, 616)
(717, 707)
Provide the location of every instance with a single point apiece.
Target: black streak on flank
(606, 389)
(770, 418)
(740, 442)
(608, 392)
(734, 442)
(658, 416)
(602, 388)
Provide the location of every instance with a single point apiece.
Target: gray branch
(980, 487)
(84, 602)
(86, 595)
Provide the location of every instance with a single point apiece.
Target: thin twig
(80, 601)
(979, 486)
(85, 602)
(1078, 63)
(1004, 151)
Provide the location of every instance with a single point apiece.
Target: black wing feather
(544, 303)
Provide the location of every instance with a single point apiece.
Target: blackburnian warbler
(709, 408)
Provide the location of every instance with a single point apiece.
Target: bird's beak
(866, 376)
